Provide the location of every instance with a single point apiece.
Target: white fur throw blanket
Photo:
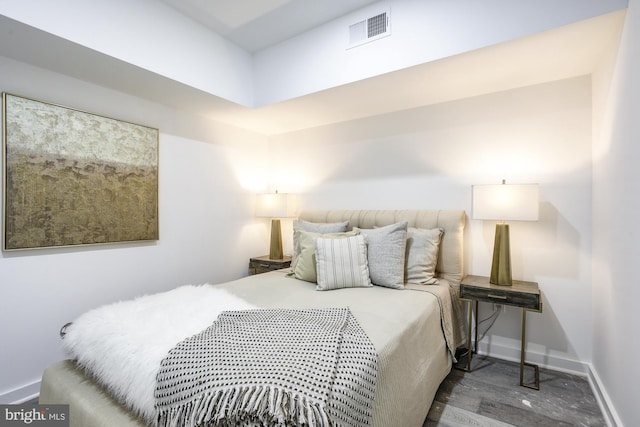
(122, 345)
(272, 367)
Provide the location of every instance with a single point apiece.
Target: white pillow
(386, 249)
(422, 255)
(342, 263)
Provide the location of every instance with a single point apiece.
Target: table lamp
(275, 206)
(504, 202)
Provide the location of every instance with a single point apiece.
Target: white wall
(616, 231)
(429, 157)
(421, 31)
(154, 37)
(148, 34)
(207, 229)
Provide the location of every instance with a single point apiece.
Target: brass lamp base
(501, 266)
(275, 250)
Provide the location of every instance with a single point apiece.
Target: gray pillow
(342, 263)
(386, 250)
(321, 227)
(422, 255)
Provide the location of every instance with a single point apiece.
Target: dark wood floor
(490, 396)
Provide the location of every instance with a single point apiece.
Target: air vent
(370, 29)
(377, 25)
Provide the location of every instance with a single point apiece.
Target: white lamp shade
(276, 205)
(506, 202)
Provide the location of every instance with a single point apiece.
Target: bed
(414, 330)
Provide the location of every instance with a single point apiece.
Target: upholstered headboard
(450, 259)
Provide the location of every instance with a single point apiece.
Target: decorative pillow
(315, 227)
(386, 248)
(422, 255)
(321, 227)
(342, 263)
(304, 267)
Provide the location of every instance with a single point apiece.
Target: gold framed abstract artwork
(75, 178)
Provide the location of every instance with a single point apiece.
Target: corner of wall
(604, 401)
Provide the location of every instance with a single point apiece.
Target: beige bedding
(405, 327)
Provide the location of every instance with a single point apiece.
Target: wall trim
(21, 394)
(608, 409)
(556, 363)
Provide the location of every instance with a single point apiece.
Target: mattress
(405, 327)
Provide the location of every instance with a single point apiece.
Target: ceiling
(570, 51)
(256, 24)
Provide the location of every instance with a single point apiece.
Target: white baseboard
(608, 410)
(555, 363)
(21, 394)
(569, 366)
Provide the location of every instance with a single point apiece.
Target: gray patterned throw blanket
(271, 367)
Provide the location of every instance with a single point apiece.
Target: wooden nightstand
(263, 264)
(521, 294)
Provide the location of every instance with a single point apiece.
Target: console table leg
(470, 346)
(475, 341)
(523, 340)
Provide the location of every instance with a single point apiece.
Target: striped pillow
(342, 263)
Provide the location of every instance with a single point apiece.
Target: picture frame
(72, 177)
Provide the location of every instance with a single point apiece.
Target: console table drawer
(524, 300)
(264, 264)
(522, 294)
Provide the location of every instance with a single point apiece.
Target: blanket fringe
(268, 406)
